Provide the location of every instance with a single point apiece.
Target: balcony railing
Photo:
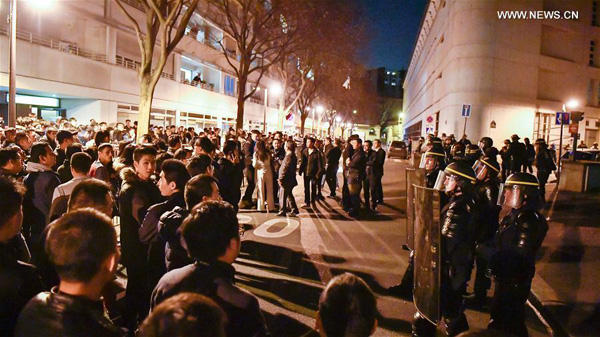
(64, 46)
(205, 86)
(135, 65)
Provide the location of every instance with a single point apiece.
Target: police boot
(421, 327)
(404, 289)
(455, 326)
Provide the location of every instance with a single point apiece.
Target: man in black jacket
(544, 163)
(369, 176)
(19, 281)
(311, 166)
(248, 150)
(85, 266)
(378, 173)
(278, 153)
(212, 238)
(356, 167)
(230, 174)
(287, 180)
(333, 154)
(199, 188)
(173, 177)
(138, 193)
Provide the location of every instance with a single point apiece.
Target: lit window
(394, 83)
(388, 72)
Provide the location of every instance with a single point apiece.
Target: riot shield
(427, 269)
(416, 159)
(413, 177)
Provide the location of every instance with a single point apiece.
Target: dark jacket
(216, 281)
(278, 156)
(311, 165)
(248, 151)
(37, 202)
(61, 156)
(379, 162)
(149, 235)
(544, 161)
(358, 162)
(169, 231)
(230, 177)
(370, 156)
(135, 198)
(64, 172)
(333, 155)
(513, 250)
(287, 171)
(19, 283)
(58, 314)
(488, 209)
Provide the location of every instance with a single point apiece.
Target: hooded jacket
(40, 183)
(169, 230)
(135, 198)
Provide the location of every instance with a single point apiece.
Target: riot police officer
(433, 161)
(486, 191)
(472, 154)
(512, 252)
(458, 236)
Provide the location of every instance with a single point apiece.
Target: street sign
(430, 119)
(574, 128)
(429, 130)
(565, 116)
(466, 110)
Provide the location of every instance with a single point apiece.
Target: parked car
(583, 154)
(398, 149)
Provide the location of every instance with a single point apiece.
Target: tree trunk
(329, 130)
(239, 123)
(146, 95)
(302, 122)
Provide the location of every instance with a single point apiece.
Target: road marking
(263, 230)
(244, 219)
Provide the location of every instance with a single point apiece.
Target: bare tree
(261, 31)
(165, 23)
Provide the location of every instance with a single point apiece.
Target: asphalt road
(287, 262)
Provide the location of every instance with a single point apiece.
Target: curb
(554, 328)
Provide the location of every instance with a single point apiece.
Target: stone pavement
(566, 288)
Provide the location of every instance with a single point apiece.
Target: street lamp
(275, 90)
(12, 58)
(571, 104)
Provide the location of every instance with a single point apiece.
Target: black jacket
(216, 281)
(370, 156)
(248, 152)
(278, 156)
(38, 200)
(488, 209)
(512, 252)
(230, 177)
(135, 198)
(19, 283)
(311, 165)
(64, 172)
(459, 221)
(358, 162)
(287, 171)
(149, 235)
(333, 156)
(379, 161)
(169, 231)
(58, 314)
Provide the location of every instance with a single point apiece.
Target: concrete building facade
(515, 73)
(85, 56)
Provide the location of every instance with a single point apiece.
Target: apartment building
(80, 59)
(515, 62)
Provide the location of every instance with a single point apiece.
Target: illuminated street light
(41, 4)
(572, 104)
(276, 89)
(338, 119)
(354, 112)
(320, 109)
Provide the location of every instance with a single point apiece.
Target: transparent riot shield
(416, 159)
(427, 276)
(413, 177)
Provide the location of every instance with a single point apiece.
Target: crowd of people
(173, 197)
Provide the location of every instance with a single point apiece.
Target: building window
(594, 13)
(229, 85)
(592, 53)
(590, 92)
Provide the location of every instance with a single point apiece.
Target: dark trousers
(508, 309)
(482, 282)
(369, 185)
(319, 185)
(249, 174)
(137, 297)
(527, 166)
(331, 178)
(345, 194)
(310, 189)
(542, 176)
(285, 196)
(377, 190)
(354, 198)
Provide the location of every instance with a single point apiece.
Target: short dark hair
(72, 149)
(369, 142)
(185, 314)
(182, 154)
(206, 144)
(20, 136)
(174, 140)
(199, 165)
(79, 242)
(11, 190)
(141, 151)
(7, 154)
(38, 149)
(161, 158)
(89, 193)
(175, 171)
(229, 147)
(208, 230)
(103, 146)
(81, 162)
(347, 307)
(197, 188)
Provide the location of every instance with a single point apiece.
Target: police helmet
(486, 142)
(461, 173)
(433, 158)
(518, 187)
(486, 167)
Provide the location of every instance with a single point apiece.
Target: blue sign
(466, 110)
(564, 116)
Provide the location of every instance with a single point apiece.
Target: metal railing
(135, 65)
(64, 46)
(205, 86)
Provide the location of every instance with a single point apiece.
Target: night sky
(393, 27)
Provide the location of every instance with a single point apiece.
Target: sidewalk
(567, 281)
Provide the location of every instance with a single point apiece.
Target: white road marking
(263, 230)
